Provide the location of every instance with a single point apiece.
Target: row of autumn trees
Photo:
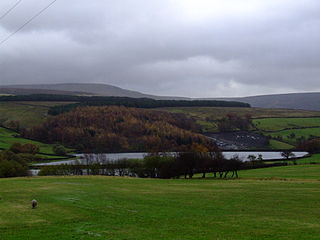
(116, 129)
(153, 166)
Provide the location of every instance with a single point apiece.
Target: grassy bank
(126, 208)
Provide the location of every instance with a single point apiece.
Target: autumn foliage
(113, 129)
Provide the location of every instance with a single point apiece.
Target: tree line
(183, 164)
(117, 101)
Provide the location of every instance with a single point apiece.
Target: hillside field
(278, 124)
(8, 137)
(289, 130)
(286, 135)
(29, 114)
(207, 117)
(272, 122)
(276, 203)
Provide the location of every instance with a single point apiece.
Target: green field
(275, 144)
(275, 203)
(311, 172)
(314, 159)
(277, 124)
(304, 132)
(206, 117)
(8, 137)
(29, 114)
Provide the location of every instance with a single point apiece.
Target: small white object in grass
(34, 203)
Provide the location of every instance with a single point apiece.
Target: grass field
(29, 114)
(8, 137)
(275, 144)
(262, 205)
(305, 171)
(206, 116)
(277, 124)
(286, 134)
(314, 159)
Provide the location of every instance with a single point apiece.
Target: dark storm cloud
(191, 48)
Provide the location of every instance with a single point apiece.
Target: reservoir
(243, 155)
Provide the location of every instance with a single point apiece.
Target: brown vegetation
(112, 129)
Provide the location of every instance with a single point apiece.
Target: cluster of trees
(233, 122)
(116, 129)
(153, 166)
(165, 166)
(14, 162)
(24, 148)
(59, 149)
(311, 146)
(12, 165)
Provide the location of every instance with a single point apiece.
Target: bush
(24, 148)
(311, 146)
(12, 165)
(59, 149)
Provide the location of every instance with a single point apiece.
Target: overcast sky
(195, 48)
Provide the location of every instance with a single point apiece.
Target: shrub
(59, 149)
(24, 148)
(12, 165)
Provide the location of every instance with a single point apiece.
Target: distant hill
(305, 101)
(95, 89)
(22, 91)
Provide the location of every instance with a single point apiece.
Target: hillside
(27, 114)
(306, 101)
(22, 91)
(207, 117)
(80, 89)
(116, 129)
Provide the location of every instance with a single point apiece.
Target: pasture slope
(28, 114)
(9, 137)
(208, 116)
(277, 203)
(285, 127)
(289, 130)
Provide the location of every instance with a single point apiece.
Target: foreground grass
(128, 208)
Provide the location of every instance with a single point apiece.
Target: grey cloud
(156, 47)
